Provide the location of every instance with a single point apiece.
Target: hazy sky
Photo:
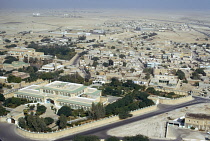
(125, 4)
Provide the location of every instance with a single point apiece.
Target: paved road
(75, 61)
(7, 132)
(102, 131)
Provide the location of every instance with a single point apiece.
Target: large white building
(62, 93)
(21, 52)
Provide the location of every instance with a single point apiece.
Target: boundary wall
(80, 128)
(176, 100)
(98, 123)
(3, 118)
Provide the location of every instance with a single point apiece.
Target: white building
(62, 93)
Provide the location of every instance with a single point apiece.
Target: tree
(10, 59)
(200, 71)
(65, 110)
(196, 84)
(48, 120)
(14, 79)
(148, 70)
(62, 122)
(111, 63)
(124, 64)
(85, 138)
(3, 52)
(95, 63)
(97, 111)
(32, 107)
(26, 43)
(95, 59)
(81, 112)
(180, 74)
(124, 113)
(122, 56)
(14, 102)
(35, 123)
(136, 138)
(132, 70)
(112, 139)
(45, 39)
(147, 76)
(41, 124)
(105, 64)
(74, 78)
(62, 52)
(151, 90)
(10, 46)
(2, 98)
(40, 110)
(83, 37)
(22, 122)
(3, 111)
(195, 76)
(29, 120)
(115, 82)
(7, 41)
(142, 104)
(112, 47)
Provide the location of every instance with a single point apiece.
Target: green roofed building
(62, 93)
(15, 65)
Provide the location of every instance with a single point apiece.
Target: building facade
(60, 93)
(165, 81)
(199, 121)
(21, 52)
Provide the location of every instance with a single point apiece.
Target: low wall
(171, 90)
(67, 131)
(176, 100)
(37, 82)
(77, 129)
(3, 119)
(144, 110)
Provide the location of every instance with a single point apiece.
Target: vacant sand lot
(154, 127)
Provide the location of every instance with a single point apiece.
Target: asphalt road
(102, 131)
(7, 131)
(75, 62)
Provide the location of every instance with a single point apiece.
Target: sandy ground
(154, 127)
(185, 134)
(15, 21)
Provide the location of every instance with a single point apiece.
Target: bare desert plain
(58, 21)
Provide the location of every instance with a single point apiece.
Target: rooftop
(64, 87)
(16, 63)
(197, 116)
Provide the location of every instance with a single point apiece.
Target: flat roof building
(76, 96)
(199, 121)
(15, 65)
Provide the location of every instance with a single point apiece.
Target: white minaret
(55, 61)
